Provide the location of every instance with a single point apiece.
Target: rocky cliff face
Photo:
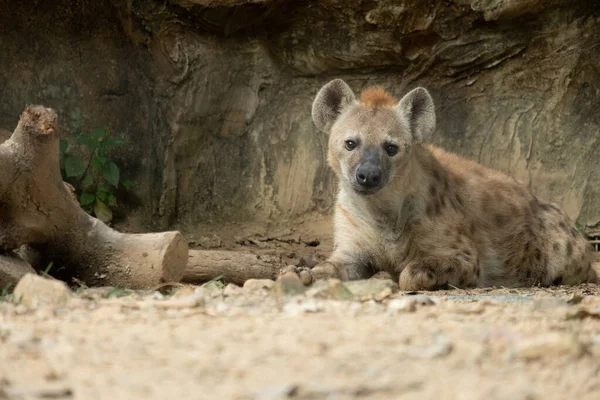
(216, 95)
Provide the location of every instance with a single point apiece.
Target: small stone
(156, 295)
(305, 277)
(409, 303)
(34, 291)
(552, 344)
(575, 298)
(370, 288)
(253, 285)
(306, 306)
(190, 301)
(288, 284)
(232, 290)
(330, 289)
(384, 294)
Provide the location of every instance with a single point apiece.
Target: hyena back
(428, 217)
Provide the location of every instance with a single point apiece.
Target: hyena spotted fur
(430, 218)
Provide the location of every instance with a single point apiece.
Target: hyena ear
(418, 111)
(330, 102)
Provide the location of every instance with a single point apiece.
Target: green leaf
(98, 134)
(64, 144)
(127, 184)
(102, 212)
(95, 163)
(88, 180)
(111, 200)
(87, 198)
(110, 172)
(48, 268)
(87, 141)
(73, 166)
(102, 195)
(5, 289)
(102, 159)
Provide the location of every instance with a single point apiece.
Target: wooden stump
(37, 209)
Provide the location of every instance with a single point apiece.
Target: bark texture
(38, 210)
(216, 94)
(12, 268)
(234, 266)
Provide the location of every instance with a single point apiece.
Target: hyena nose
(368, 176)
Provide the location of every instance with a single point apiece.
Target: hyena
(430, 218)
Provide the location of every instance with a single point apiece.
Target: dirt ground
(235, 343)
(227, 342)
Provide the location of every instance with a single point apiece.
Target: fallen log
(37, 209)
(12, 268)
(234, 266)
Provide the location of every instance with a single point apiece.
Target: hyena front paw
(417, 276)
(324, 270)
(303, 273)
(327, 270)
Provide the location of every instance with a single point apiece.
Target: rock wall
(216, 94)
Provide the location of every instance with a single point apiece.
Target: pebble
(409, 303)
(253, 285)
(305, 277)
(288, 284)
(305, 306)
(232, 290)
(330, 289)
(33, 291)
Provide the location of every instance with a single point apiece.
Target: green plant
(48, 268)
(91, 171)
(5, 294)
(217, 280)
(118, 292)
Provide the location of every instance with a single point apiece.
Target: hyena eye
(391, 149)
(350, 145)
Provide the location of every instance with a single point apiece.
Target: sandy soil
(234, 343)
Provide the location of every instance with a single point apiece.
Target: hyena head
(370, 139)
